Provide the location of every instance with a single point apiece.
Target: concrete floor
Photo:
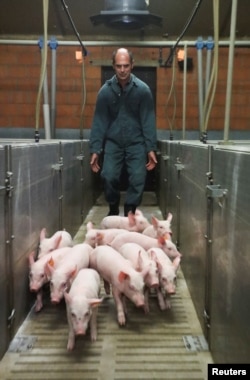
(148, 347)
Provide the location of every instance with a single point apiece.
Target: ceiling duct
(126, 14)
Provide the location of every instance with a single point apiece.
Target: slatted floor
(148, 347)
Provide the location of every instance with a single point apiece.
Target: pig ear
(31, 258)
(159, 265)
(94, 302)
(139, 262)
(67, 297)
(73, 273)
(138, 212)
(99, 237)
(170, 217)
(89, 226)
(43, 234)
(152, 255)
(122, 276)
(131, 218)
(51, 262)
(57, 241)
(176, 263)
(154, 221)
(49, 267)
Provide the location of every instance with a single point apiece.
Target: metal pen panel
(193, 222)
(173, 203)
(162, 177)
(230, 312)
(4, 332)
(91, 183)
(72, 187)
(35, 205)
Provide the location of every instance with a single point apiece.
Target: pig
(58, 240)
(81, 303)
(167, 276)
(95, 236)
(133, 222)
(146, 242)
(159, 227)
(124, 279)
(61, 277)
(37, 272)
(142, 262)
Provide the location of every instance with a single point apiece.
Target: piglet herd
(132, 257)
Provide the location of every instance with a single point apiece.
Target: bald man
(124, 130)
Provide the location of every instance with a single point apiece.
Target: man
(124, 128)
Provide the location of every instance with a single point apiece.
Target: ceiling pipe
(230, 70)
(226, 43)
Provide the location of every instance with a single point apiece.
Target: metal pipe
(230, 69)
(45, 100)
(184, 93)
(209, 46)
(244, 43)
(53, 46)
(200, 45)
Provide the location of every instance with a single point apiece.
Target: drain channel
(22, 343)
(195, 343)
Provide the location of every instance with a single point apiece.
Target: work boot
(128, 208)
(113, 209)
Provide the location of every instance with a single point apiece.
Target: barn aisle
(154, 346)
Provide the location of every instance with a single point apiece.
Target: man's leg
(135, 162)
(111, 172)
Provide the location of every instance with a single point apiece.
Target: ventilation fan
(126, 14)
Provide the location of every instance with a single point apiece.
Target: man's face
(123, 67)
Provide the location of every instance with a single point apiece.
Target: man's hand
(152, 161)
(94, 163)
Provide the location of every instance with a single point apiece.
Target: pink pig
(159, 227)
(58, 240)
(62, 276)
(81, 303)
(124, 279)
(95, 236)
(132, 222)
(37, 272)
(167, 276)
(142, 262)
(146, 242)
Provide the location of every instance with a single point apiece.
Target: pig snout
(55, 301)
(170, 290)
(139, 300)
(34, 288)
(55, 298)
(80, 331)
(154, 284)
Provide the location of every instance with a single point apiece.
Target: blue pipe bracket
(53, 43)
(210, 43)
(200, 43)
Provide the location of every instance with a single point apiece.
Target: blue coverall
(124, 127)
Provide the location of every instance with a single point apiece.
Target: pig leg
(164, 301)
(71, 336)
(119, 306)
(146, 297)
(92, 324)
(161, 299)
(106, 286)
(167, 302)
(39, 301)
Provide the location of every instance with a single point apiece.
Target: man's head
(123, 64)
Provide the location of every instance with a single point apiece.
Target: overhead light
(125, 14)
